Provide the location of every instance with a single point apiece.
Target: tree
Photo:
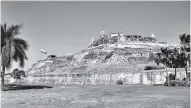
(12, 48)
(163, 57)
(185, 48)
(18, 74)
(177, 59)
(171, 58)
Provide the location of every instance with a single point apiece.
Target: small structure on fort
(152, 35)
(122, 38)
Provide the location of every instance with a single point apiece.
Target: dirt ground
(98, 96)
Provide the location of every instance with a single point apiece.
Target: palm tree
(185, 48)
(163, 57)
(12, 48)
(174, 60)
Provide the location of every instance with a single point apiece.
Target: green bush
(153, 67)
(178, 83)
(17, 74)
(90, 55)
(148, 68)
(109, 55)
(119, 82)
(173, 82)
(69, 57)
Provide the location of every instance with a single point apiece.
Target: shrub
(17, 74)
(153, 67)
(90, 55)
(108, 55)
(173, 82)
(119, 82)
(148, 68)
(69, 57)
(178, 83)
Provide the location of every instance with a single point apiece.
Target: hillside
(108, 56)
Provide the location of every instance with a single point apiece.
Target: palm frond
(182, 37)
(21, 42)
(20, 55)
(187, 40)
(14, 30)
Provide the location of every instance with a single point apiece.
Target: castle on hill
(113, 38)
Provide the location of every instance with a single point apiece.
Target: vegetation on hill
(106, 55)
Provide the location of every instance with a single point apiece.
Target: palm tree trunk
(167, 75)
(2, 78)
(175, 74)
(186, 72)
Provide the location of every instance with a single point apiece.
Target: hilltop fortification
(122, 51)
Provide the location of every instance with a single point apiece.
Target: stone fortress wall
(112, 38)
(147, 77)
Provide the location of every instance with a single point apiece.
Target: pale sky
(64, 27)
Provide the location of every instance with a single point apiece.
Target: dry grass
(99, 96)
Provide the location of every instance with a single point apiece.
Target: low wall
(128, 78)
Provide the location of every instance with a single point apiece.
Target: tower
(102, 34)
(121, 33)
(122, 38)
(152, 35)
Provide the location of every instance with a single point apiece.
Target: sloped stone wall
(128, 78)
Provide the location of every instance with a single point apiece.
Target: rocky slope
(105, 58)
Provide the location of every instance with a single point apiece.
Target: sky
(66, 27)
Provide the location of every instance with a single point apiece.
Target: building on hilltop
(132, 38)
(51, 57)
(115, 37)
